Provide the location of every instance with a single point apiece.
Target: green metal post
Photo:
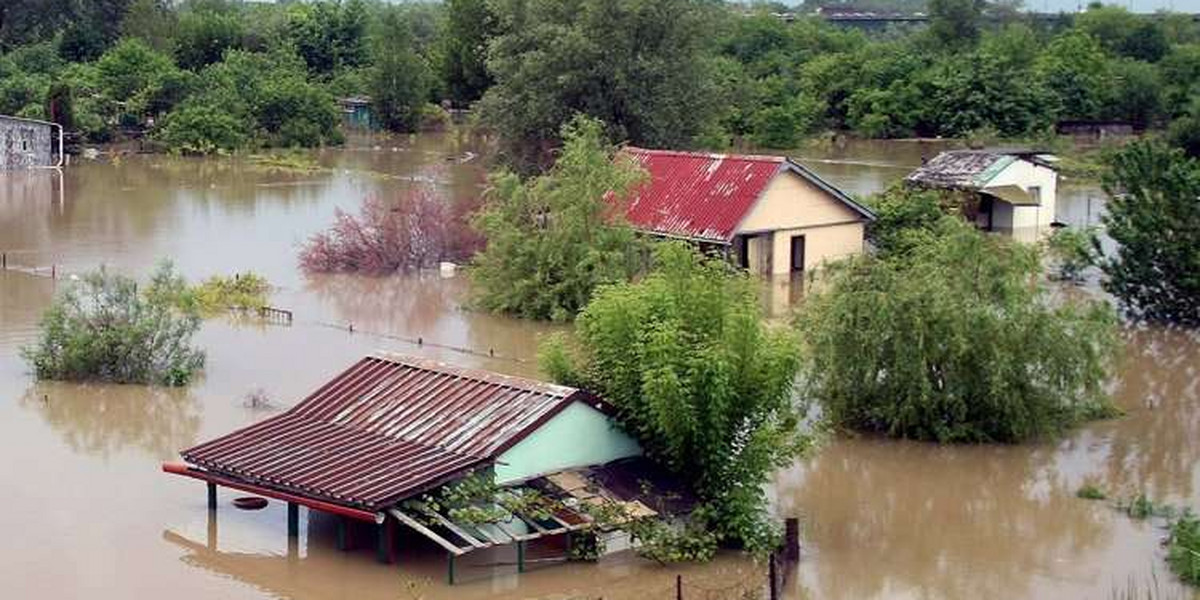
(450, 568)
(521, 557)
(212, 496)
(293, 519)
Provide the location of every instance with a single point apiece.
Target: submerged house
(391, 428)
(1017, 189)
(770, 214)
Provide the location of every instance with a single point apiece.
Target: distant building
(770, 214)
(1098, 130)
(25, 143)
(356, 112)
(1017, 189)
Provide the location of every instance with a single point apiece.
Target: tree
(1124, 33)
(130, 67)
(955, 22)
(400, 79)
(469, 28)
(152, 21)
(906, 217)
(552, 240)
(1154, 216)
(955, 342)
(1076, 71)
(329, 35)
(103, 328)
(643, 67)
(203, 35)
(697, 376)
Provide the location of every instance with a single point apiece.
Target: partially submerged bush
(1074, 250)
(419, 229)
(1183, 549)
(103, 328)
(908, 216)
(242, 291)
(956, 342)
(1089, 491)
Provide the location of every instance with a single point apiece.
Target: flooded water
(87, 512)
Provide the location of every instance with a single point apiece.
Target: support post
(383, 542)
(679, 587)
(212, 496)
(773, 577)
(450, 568)
(521, 556)
(211, 542)
(791, 539)
(293, 518)
(343, 536)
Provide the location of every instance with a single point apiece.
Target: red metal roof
(705, 197)
(385, 429)
(697, 196)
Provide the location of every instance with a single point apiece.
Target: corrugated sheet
(386, 428)
(964, 169)
(698, 196)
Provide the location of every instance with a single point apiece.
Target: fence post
(791, 540)
(679, 587)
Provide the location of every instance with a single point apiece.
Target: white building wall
(1027, 221)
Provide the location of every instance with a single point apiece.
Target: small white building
(1017, 189)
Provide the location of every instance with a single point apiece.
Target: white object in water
(447, 269)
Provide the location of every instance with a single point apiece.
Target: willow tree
(955, 341)
(698, 377)
(553, 239)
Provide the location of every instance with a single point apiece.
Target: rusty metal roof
(701, 196)
(385, 429)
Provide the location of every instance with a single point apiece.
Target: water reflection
(101, 419)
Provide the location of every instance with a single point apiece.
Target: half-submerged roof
(703, 196)
(972, 169)
(385, 429)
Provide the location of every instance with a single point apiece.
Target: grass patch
(1090, 492)
(1183, 548)
(286, 161)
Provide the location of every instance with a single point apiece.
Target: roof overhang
(1012, 194)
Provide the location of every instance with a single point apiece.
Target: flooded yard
(87, 511)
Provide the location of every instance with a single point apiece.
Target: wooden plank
(448, 524)
(427, 532)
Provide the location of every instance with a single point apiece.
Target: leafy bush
(218, 293)
(417, 230)
(552, 240)
(1154, 216)
(698, 378)
(906, 216)
(197, 128)
(954, 342)
(1074, 250)
(1183, 551)
(103, 328)
(1090, 492)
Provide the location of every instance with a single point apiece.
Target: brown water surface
(86, 511)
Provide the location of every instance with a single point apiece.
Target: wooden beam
(427, 532)
(448, 524)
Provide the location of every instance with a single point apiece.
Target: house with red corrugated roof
(770, 214)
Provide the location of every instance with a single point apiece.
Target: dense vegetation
(553, 239)
(105, 328)
(217, 75)
(1154, 216)
(698, 377)
(954, 340)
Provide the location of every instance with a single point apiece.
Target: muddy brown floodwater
(87, 513)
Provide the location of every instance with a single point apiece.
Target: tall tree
(955, 22)
(643, 67)
(400, 78)
(1154, 216)
(469, 27)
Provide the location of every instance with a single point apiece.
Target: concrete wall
(24, 144)
(1027, 222)
(576, 437)
(792, 206)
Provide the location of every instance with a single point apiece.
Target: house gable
(791, 201)
(578, 436)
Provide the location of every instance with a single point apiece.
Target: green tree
(329, 35)
(152, 21)
(203, 35)
(130, 67)
(955, 342)
(103, 328)
(955, 22)
(399, 81)
(552, 240)
(643, 67)
(1124, 33)
(1154, 216)
(470, 25)
(199, 128)
(698, 377)
(1075, 69)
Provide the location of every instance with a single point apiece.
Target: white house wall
(579, 436)
(1028, 220)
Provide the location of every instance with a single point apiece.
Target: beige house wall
(792, 206)
(1028, 221)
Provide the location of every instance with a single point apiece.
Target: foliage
(202, 129)
(954, 341)
(103, 328)
(470, 26)
(1074, 250)
(400, 81)
(415, 231)
(152, 21)
(1183, 548)
(131, 68)
(1154, 216)
(202, 36)
(640, 66)
(1090, 492)
(552, 240)
(218, 293)
(695, 540)
(698, 378)
(329, 35)
(906, 217)
(955, 22)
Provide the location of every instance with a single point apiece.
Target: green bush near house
(103, 328)
(1183, 549)
(954, 341)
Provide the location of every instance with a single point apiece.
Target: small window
(1035, 192)
(24, 145)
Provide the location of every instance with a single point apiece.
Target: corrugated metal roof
(703, 196)
(386, 428)
(972, 169)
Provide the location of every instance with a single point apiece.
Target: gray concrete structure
(25, 143)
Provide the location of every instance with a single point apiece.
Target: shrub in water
(1184, 548)
(103, 328)
(955, 341)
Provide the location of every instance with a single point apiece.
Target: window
(24, 145)
(1035, 192)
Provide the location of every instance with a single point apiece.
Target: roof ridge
(481, 375)
(773, 158)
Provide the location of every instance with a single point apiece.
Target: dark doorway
(742, 251)
(797, 253)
